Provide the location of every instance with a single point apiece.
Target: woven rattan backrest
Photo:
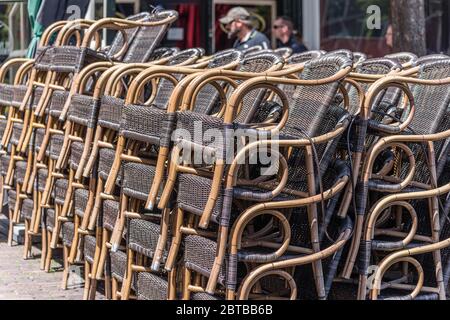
(148, 38)
(118, 40)
(359, 57)
(162, 53)
(165, 87)
(309, 104)
(208, 97)
(431, 101)
(379, 66)
(403, 57)
(342, 52)
(256, 64)
(430, 58)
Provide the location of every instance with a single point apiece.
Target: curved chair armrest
(398, 140)
(120, 24)
(260, 271)
(5, 68)
(231, 179)
(398, 81)
(401, 255)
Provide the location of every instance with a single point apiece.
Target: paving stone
(23, 280)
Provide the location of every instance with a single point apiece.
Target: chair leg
(114, 288)
(103, 254)
(26, 246)
(87, 280)
(116, 236)
(76, 238)
(1, 192)
(92, 290)
(11, 230)
(66, 268)
(108, 287)
(162, 240)
(44, 246)
(186, 283)
(97, 204)
(176, 241)
(49, 254)
(54, 238)
(128, 278)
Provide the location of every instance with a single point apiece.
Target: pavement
(24, 280)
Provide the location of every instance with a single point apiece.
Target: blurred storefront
(324, 24)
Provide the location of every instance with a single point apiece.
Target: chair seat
(60, 191)
(4, 160)
(21, 168)
(195, 202)
(118, 264)
(110, 212)
(76, 151)
(80, 201)
(204, 296)
(89, 248)
(143, 237)
(12, 195)
(27, 209)
(199, 254)
(137, 180)
(16, 133)
(68, 232)
(50, 219)
(151, 287)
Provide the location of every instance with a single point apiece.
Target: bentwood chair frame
(399, 141)
(175, 165)
(106, 135)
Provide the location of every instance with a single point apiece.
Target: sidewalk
(22, 279)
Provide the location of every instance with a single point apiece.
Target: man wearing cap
(238, 23)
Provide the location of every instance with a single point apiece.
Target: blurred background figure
(287, 36)
(238, 22)
(389, 37)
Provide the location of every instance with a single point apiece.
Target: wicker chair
(108, 114)
(34, 69)
(81, 123)
(412, 173)
(358, 57)
(208, 188)
(284, 52)
(252, 50)
(142, 32)
(406, 59)
(133, 186)
(138, 50)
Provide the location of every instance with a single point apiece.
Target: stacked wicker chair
(252, 174)
(414, 218)
(72, 154)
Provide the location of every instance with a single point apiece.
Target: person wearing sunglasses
(239, 25)
(286, 35)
